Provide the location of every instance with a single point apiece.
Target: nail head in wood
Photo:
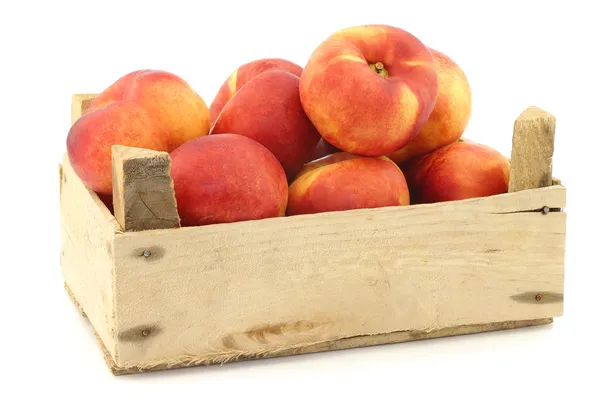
(147, 253)
(538, 297)
(532, 150)
(545, 210)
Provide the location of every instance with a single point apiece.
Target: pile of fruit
(374, 119)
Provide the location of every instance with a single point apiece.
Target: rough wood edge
(532, 150)
(345, 344)
(143, 190)
(556, 182)
(340, 344)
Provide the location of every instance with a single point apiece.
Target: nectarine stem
(379, 68)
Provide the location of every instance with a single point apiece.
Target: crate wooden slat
(143, 193)
(166, 298)
(532, 150)
(340, 344)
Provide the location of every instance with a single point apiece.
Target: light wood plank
(80, 103)
(86, 257)
(532, 150)
(341, 344)
(143, 194)
(225, 291)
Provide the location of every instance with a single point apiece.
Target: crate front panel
(260, 287)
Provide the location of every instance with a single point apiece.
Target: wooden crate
(167, 296)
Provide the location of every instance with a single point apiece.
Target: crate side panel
(245, 289)
(87, 233)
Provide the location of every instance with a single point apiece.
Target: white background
(515, 54)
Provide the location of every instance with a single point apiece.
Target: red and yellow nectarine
(343, 181)
(268, 110)
(457, 171)
(369, 89)
(245, 74)
(150, 109)
(90, 140)
(449, 117)
(227, 178)
(176, 109)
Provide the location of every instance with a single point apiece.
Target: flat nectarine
(227, 178)
(245, 74)
(150, 109)
(450, 115)
(369, 89)
(268, 110)
(457, 171)
(343, 181)
(175, 108)
(90, 140)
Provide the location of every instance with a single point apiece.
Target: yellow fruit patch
(232, 82)
(302, 184)
(351, 57)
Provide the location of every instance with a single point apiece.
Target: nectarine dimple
(457, 171)
(451, 113)
(227, 178)
(343, 181)
(369, 89)
(268, 110)
(245, 74)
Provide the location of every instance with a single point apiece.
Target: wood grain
(226, 291)
(341, 344)
(87, 238)
(532, 150)
(352, 342)
(86, 257)
(143, 194)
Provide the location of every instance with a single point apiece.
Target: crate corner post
(531, 168)
(532, 150)
(143, 190)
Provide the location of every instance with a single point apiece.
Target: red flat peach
(369, 89)
(227, 178)
(268, 109)
(343, 181)
(458, 171)
(450, 116)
